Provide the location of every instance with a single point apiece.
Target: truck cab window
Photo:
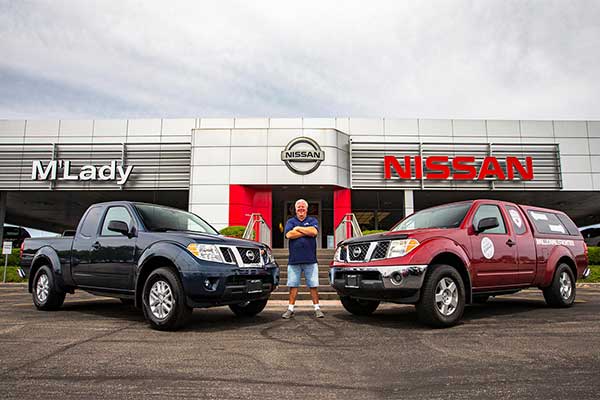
(547, 222)
(518, 221)
(116, 214)
(486, 211)
(89, 225)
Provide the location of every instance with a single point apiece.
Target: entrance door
(314, 210)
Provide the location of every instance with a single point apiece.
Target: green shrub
(594, 275)
(369, 232)
(594, 255)
(11, 274)
(13, 259)
(233, 231)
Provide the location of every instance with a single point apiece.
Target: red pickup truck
(444, 257)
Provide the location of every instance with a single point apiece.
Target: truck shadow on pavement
(213, 319)
(405, 316)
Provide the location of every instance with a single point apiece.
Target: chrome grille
(380, 250)
(249, 255)
(227, 255)
(358, 252)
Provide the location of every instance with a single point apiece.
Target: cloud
(484, 59)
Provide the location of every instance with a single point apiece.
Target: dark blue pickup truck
(163, 260)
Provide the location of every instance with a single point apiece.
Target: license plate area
(352, 281)
(254, 286)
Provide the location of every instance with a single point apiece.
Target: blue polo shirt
(304, 249)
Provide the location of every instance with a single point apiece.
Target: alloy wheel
(161, 299)
(446, 296)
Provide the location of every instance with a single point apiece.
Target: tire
(249, 308)
(442, 300)
(168, 310)
(359, 307)
(481, 299)
(46, 295)
(561, 292)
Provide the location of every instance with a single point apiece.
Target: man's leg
(293, 294)
(293, 281)
(311, 273)
(314, 294)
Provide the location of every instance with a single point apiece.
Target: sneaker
(319, 313)
(287, 314)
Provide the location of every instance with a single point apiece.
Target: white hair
(301, 201)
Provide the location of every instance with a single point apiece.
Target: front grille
(364, 275)
(380, 250)
(249, 255)
(358, 252)
(240, 280)
(227, 255)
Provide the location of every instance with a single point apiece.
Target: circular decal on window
(487, 248)
(516, 218)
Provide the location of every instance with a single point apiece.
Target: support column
(409, 202)
(342, 205)
(3, 196)
(244, 200)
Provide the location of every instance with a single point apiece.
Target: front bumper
(210, 287)
(393, 283)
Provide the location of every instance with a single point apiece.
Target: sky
(425, 59)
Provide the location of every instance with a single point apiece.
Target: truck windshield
(446, 217)
(158, 218)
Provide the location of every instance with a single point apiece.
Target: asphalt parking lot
(512, 347)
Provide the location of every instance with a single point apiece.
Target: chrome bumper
(392, 277)
(586, 273)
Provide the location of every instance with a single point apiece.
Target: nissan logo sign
(356, 251)
(250, 255)
(302, 155)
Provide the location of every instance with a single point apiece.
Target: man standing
(302, 231)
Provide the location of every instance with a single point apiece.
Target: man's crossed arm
(300, 231)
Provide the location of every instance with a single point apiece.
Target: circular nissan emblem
(356, 251)
(250, 255)
(302, 155)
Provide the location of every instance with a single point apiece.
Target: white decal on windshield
(539, 216)
(514, 214)
(556, 228)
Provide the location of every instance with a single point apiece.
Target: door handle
(96, 246)
(510, 243)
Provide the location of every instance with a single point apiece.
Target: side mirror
(120, 227)
(487, 223)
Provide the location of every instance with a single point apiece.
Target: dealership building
(227, 169)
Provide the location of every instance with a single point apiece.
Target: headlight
(338, 254)
(208, 252)
(399, 248)
(270, 258)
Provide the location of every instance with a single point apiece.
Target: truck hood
(419, 234)
(189, 236)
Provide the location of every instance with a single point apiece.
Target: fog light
(396, 278)
(211, 284)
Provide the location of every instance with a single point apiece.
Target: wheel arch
(151, 264)
(45, 256)
(455, 261)
(559, 255)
